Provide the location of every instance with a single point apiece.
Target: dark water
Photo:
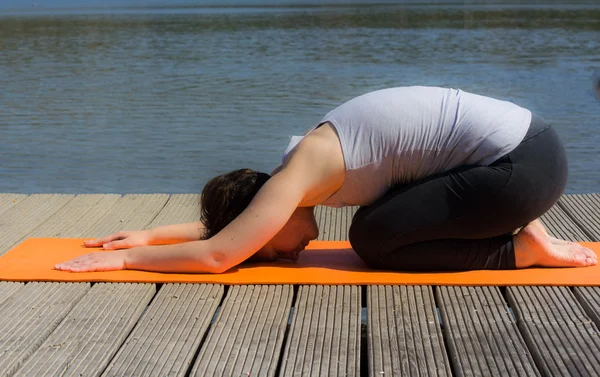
(160, 100)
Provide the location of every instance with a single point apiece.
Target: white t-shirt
(400, 135)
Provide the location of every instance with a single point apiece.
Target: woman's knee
(364, 241)
(358, 237)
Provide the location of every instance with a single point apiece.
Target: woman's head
(226, 196)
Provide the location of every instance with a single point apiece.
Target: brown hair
(225, 196)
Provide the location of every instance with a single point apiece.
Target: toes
(580, 259)
(571, 255)
(587, 252)
(591, 256)
(584, 256)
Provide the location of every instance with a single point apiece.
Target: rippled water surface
(160, 100)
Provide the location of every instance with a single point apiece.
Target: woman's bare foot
(534, 247)
(557, 241)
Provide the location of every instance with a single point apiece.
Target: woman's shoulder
(318, 158)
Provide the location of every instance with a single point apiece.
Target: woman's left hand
(99, 261)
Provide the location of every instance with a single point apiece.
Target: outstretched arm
(177, 233)
(314, 171)
(162, 235)
(304, 178)
(253, 228)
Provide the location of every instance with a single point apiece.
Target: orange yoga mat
(323, 262)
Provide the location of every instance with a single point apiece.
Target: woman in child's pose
(446, 180)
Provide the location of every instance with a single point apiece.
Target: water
(162, 99)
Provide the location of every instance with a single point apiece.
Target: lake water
(162, 99)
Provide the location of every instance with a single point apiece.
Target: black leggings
(463, 219)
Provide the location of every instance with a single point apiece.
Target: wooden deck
(80, 329)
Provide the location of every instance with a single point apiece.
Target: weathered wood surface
(131, 212)
(324, 338)
(559, 224)
(9, 288)
(482, 337)
(77, 217)
(87, 339)
(193, 305)
(589, 298)
(167, 336)
(17, 222)
(247, 335)
(29, 317)
(180, 208)
(585, 212)
(55, 328)
(403, 333)
(91, 216)
(9, 200)
(334, 222)
(561, 337)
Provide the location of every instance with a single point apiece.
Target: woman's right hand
(121, 240)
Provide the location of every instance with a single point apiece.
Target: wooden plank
(75, 216)
(9, 200)
(181, 208)
(344, 224)
(175, 209)
(339, 232)
(86, 340)
(560, 225)
(330, 224)
(589, 298)
(317, 211)
(330, 228)
(131, 212)
(92, 214)
(246, 337)
(482, 337)
(28, 318)
(96, 211)
(324, 338)
(347, 221)
(166, 338)
(350, 216)
(326, 321)
(342, 221)
(585, 211)
(26, 331)
(403, 332)
(334, 223)
(9, 288)
(19, 220)
(322, 216)
(560, 336)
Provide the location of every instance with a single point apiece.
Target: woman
(446, 180)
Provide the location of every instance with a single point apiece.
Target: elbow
(218, 263)
(217, 268)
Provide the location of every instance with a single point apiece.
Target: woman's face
(292, 238)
